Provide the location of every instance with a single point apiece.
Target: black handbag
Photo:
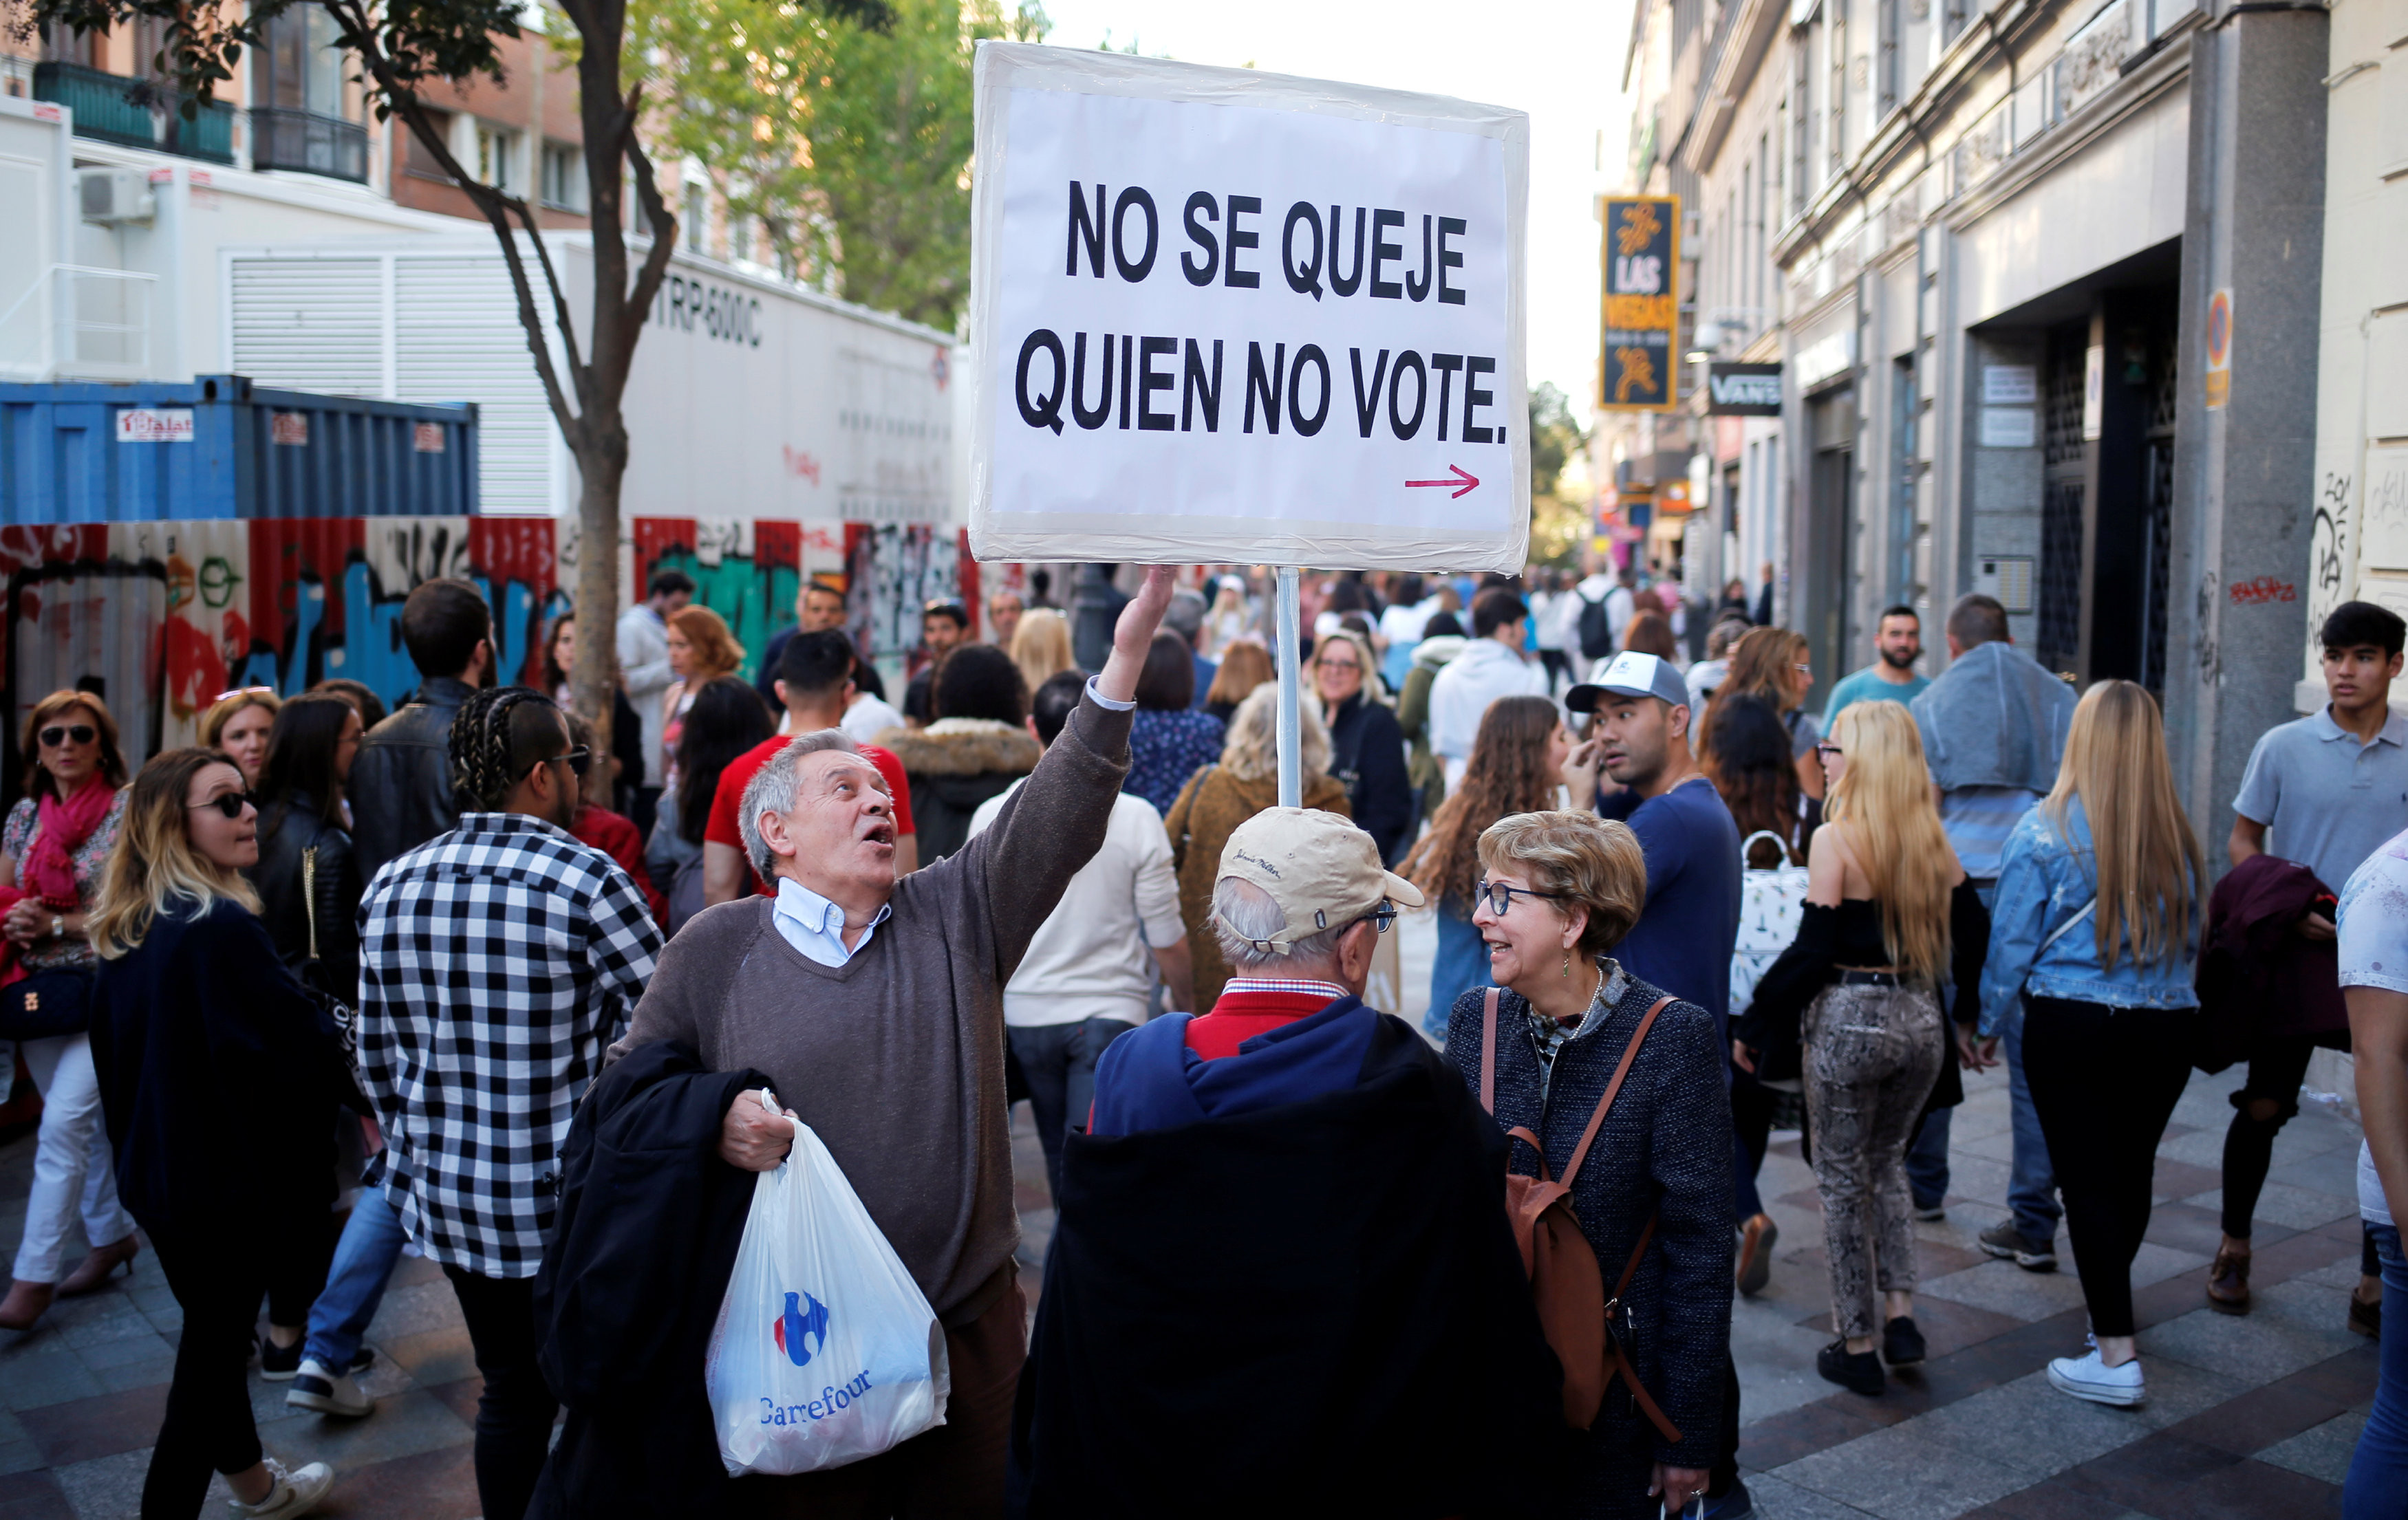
(336, 1007)
(46, 1003)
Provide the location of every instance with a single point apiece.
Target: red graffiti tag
(2264, 589)
(803, 464)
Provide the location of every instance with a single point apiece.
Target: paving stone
(410, 1311)
(2333, 1172)
(143, 1344)
(33, 1496)
(52, 1376)
(2321, 1453)
(428, 1485)
(2004, 1288)
(2139, 1475)
(2250, 1491)
(137, 1374)
(2264, 1343)
(84, 1428)
(1779, 1499)
(2050, 1499)
(403, 1425)
(1896, 1475)
(110, 1487)
(2300, 1208)
(2183, 1226)
(18, 1455)
(1774, 1441)
(430, 1356)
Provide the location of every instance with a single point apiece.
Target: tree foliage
(1558, 528)
(850, 143)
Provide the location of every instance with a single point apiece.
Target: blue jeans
(2377, 1486)
(2031, 1183)
(1461, 965)
(364, 1263)
(1927, 1159)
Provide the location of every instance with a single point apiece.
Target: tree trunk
(602, 463)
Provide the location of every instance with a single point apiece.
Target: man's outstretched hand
(1133, 636)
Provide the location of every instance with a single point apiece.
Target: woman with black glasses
(51, 851)
(1568, 1043)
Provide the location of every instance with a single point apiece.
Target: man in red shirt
(814, 680)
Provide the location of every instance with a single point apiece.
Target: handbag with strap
(1588, 1331)
(336, 1007)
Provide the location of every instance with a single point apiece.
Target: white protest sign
(1223, 316)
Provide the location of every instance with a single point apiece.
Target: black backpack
(1596, 633)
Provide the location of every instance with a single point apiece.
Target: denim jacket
(2044, 882)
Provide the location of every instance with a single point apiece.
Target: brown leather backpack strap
(1524, 1135)
(1618, 1365)
(1488, 1051)
(1613, 1088)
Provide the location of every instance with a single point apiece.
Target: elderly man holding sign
(876, 1007)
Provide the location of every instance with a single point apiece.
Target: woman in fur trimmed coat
(976, 749)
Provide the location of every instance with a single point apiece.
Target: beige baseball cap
(1319, 868)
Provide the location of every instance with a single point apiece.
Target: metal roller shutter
(459, 339)
(310, 324)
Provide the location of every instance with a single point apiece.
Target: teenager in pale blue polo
(2324, 791)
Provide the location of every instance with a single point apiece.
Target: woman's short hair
(154, 868)
(53, 708)
(1587, 861)
(979, 680)
(715, 649)
(1168, 682)
(226, 709)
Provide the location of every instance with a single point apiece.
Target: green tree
(403, 46)
(850, 143)
(1556, 526)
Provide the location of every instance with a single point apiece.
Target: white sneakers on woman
(2088, 1377)
(294, 1493)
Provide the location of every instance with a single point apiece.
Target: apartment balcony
(137, 113)
(285, 138)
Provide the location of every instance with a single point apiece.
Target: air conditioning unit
(113, 196)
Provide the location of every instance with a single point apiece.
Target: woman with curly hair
(1523, 757)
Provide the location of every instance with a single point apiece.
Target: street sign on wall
(1220, 315)
(1642, 304)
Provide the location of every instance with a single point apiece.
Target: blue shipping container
(220, 447)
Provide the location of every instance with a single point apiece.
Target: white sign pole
(1291, 723)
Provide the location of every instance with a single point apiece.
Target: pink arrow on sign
(1466, 480)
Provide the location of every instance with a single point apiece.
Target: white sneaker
(2087, 1377)
(295, 1494)
(317, 1387)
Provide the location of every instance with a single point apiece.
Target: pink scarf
(49, 869)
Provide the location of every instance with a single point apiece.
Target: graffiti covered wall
(161, 617)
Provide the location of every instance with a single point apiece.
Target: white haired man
(876, 1007)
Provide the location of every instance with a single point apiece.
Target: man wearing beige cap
(1281, 1243)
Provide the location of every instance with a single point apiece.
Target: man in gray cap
(1283, 1241)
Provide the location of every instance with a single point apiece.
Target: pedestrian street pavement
(2250, 1418)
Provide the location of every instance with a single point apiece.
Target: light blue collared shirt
(815, 926)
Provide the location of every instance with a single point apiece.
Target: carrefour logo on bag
(801, 1333)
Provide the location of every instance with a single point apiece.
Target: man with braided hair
(498, 962)
(876, 1008)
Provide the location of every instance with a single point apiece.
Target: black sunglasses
(1499, 897)
(230, 804)
(578, 760)
(59, 733)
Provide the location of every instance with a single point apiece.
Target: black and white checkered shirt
(496, 963)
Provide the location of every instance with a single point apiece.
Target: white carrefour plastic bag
(826, 1351)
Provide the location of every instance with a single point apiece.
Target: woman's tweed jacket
(1664, 1148)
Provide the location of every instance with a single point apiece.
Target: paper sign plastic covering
(1324, 388)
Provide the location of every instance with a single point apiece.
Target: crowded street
(2251, 1420)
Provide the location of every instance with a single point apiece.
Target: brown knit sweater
(895, 1058)
(1209, 810)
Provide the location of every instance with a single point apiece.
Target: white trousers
(74, 1168)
